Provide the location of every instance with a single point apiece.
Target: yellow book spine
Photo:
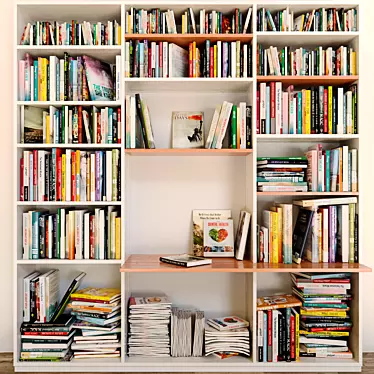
(354, 72)
(194, 59)
(271, 239)
(215, 61)
(40, 60)
(238, 59)
(307, 112)
(119, 35)
(44, 79)
(275, 234)
(280, 235)
(88, 179)
(183, 22)
(302, 22)
(303, 110)
(78, 174)
(128, 24)
(329, 106)
(322, 314)
(47, 129)
(297, 336)
(63, 177)
(118, 238)
(326, 333)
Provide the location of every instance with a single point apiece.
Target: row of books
(80, 78)
(70, 175)
(301, 61)
(325, 323)
(278, 328)
(72, 234)
(144, 59)
(74, 33)
(321, 19)
(316, 110)
(332, 170)
(70, 125)
(155, 21)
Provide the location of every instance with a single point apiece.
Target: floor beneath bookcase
(6, 364)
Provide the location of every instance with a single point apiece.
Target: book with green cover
(234, 128)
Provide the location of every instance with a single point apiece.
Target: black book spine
(284, 339)
(356, 240)
(300, 233)
(288, 334)
(280, 335)
(119, 181)
(354, 96)
(141, 118)
(241, 63)
(102, 34)
(66, 76)
(334, 111)
(60, 124)
(173, 262)
(229, 59)
(248, 124)
(135, 59)
(115, 127)
(50, 192)
(42, 236)
(249, 65)
(316, 110)
(47, 180)
(54, 236)
(103, 168)
(131, 59)
(313, 109)
(349, 61)
(321, 108)
(261, 348)
(33, 300)
(54, 175)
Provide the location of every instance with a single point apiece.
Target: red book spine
(270, 331)
(45, 333)
(211, 62)
(325, 127)
(80, 126)
(272, 102)
(73, 177)
(160, 56)
(37, 297)
(258, 113)
(47, 254)
(190, 68)
(236, 21)
(317, 329)
(119, 125)
(206, 23)
(35, 174)
(59, 175)
(92, 237)
(21, 191)
(292, 327)
(149, 61)
(72, 33)
(47, 33)
(157, 22)
(98, 127)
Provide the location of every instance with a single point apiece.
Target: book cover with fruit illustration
(218, 238)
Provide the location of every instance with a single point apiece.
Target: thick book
(300, 234)
(91, 293)
(277, 302)
(185, 260)
(321, 202)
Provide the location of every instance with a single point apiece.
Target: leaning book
(188, 129)
(218, 238)
(186, 260)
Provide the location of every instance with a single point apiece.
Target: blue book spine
(75, 80)
(327, 170)
(35, 235)
(141, 59)
(299, 113)
(36, 88)
(349, 171)
(31, 172)
(265, 333)
(58, 82)
(101, 174)
(267, 126)
(110, 125)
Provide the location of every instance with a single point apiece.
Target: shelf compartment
(326, 194)
(188, 152)
(305, 137)
(184, 39)
(314, 80)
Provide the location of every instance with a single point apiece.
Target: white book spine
(213, 127)
(26, 299)
(25, 233)
(52, 77)
(293, 116)
(32, 76)
(260, 328)
(219, 59)
(349, 112)
(275, 332)
(262, 108)
(42, 298)
(344, 227)
(50, 242)
(354, 170)
(233, 59)
(63, 234)
(118, 77)
(109, 184)
(165, 59)
(278, 107)
(245, 60)
(62, 81)
(102, 235)
(345, 169)
(26, 174)
(132, 121)
(66, 124)
(70, 127)
(112, 229)
(41, 175)
(93, 185)
(243, 129)
(225, 120)
(340, 124)
(86, 236)
(68, 176)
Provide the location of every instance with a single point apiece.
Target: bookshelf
(161, 187)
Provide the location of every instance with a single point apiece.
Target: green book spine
(234, 127)
(327, 170)
(283, 65)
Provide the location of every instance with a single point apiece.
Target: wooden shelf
(188, 152)
(185, 39)
(314, 80)
(260, 193)
(152, 264)
(300, 138)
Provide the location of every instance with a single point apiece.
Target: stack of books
(80, 78)
(325, 324)
(149, 320)
(278, 328)
(317, 61)
(72, 234)
(227, 336)
(47, 341)
(332, 170)
(70, 175)
(281, 174)
(155, 21)
(315, 110)
(321, 19)
(74, 33)
(98, 314)
(70, 125)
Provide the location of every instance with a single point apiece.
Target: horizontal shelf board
(260, 193)
(315, 79)
(75, 146)
(306, 266)
(185, 39)
(188, 152)
(305, 137)
(67, 47)
(104, 362)
(68, 262)
(195, 85)
(67, 203)
(152, 264)
(44, 104)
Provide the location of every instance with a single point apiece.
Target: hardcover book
(300, 234)
(277, 302)
(218, 238)
(242, 234)
(188, 129)
(185, 260)
(32, 125)
(104, 294)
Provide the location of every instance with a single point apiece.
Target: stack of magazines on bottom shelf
(227, 336)
(149, 319)
(325, 323)
(98, 313)
(47, 341)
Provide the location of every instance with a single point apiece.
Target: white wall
(367, 176)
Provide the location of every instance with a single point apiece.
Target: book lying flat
(186, 260)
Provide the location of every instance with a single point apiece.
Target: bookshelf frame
(251, 277)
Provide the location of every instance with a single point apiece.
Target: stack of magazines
(227, 335)
(149, 319)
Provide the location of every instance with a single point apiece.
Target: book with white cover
(185, 260)
(178, 61)
(241, 234)
(320, 202)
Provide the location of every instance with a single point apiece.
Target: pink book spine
(21, 80)
(285, 112)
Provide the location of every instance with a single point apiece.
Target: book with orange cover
(277, 302)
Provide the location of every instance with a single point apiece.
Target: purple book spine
(97, 176)
(80, 78)
(102, 176)
(224, 60)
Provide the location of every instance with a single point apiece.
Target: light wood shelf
(189, 152)
(312, 80)
(309, 193)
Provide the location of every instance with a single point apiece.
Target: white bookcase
(161, 187)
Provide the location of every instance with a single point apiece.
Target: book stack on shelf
(320, 19)
(149, 320)
(303, 62)
(74, 33)
(316, 110)
(227, 336)
(278, 328)
(156, 21)
(70, 125)
(70, 175)
(325, 323)
(72, 234)
(332, 170)
(149, 59)
(80, 78)
(98, 324)
(281, 174)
